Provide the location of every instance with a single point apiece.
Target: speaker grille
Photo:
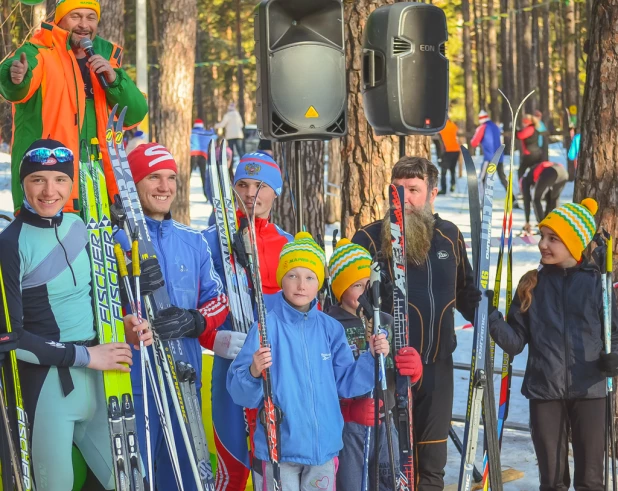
(401, 46)
(338, 127)
(280, 128)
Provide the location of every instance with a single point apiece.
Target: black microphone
(86, 45)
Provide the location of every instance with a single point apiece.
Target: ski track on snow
(517, 449)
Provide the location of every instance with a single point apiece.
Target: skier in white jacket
(233, 125)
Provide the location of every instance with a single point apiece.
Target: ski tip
(120, 122)
(112, 115)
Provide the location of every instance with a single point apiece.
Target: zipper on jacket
(312, 391)
(566, 336)
(431, 309)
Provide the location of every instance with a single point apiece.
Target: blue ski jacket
(200, 140)
(191, 282)
(488, 137)
(313, 367)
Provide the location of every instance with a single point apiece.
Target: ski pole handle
(135, 257)
(122, 264)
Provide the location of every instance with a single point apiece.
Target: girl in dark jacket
(558, 312)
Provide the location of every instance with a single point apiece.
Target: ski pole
(136, 307)
(374, 282)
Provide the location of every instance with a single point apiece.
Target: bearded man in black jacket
(439, 280)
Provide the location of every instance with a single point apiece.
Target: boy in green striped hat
(311, 368)
(350, 269)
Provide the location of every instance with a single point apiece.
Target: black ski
(478, 390)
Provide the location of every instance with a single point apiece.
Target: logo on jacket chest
(443, 255)
(325, 356)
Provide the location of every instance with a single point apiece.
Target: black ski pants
(433, 409)
(550, 425)
(549, 187)
(448, 162)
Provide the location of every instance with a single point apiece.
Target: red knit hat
(149, 158)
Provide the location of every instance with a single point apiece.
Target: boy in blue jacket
(313, 367)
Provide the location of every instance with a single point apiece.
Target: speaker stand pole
(299, 187)
(402, 146)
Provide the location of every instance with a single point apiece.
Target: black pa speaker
(405, 69)
(302, 92)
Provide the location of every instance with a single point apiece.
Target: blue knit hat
(260, 167)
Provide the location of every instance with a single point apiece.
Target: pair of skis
(171, 362)
(480, 393)
(128, 470)
(16, 464)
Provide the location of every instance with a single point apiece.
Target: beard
(75, 40)
(419, 233)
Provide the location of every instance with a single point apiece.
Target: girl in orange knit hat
(558, 312)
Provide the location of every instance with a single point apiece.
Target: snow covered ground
(517, 451)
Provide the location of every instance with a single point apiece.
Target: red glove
(409, 364)
(360, 411)
(214, 312)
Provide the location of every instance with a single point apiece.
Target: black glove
(175, 323)
(151, 277)
(364, 305)
(608, 364)
(471, 298)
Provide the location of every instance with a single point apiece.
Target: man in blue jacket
(489, 138)
(200, 141)
(199, 304)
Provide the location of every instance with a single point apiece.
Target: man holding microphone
(62, 83)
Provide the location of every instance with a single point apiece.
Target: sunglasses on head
(42, 155)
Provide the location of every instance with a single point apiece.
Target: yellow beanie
(304, 252)
(63, 7)
(574, 224)
(349, 264)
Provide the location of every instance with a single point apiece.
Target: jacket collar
(289, 314)
(50, 36)
(260, 223)
(551, 269)
(156, 227)
(38, 221)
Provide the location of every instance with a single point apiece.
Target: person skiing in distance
(488, 137)
(47, 278)
(439, 280)
(228, 419)
(56, 93)
(200, 141)
(199, 305)
(350, 271)
(233, 125)
(530, 150)
(548, 180)
(557, 311)
(306, 347)
(450, 155)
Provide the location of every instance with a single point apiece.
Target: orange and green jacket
(51, 102)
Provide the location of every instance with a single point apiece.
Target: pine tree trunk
(333, 187)
(468, 80)
(519, 47)
(111, 26)
(51, 6)
(597, 172)
(367, 159)
(480, 54)
(506, 61)
(526, 61)
(534, 56)
(240, 55)
(493, 63)
(174, 113)
(571, 84)
(545, 66)
(288, 204)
